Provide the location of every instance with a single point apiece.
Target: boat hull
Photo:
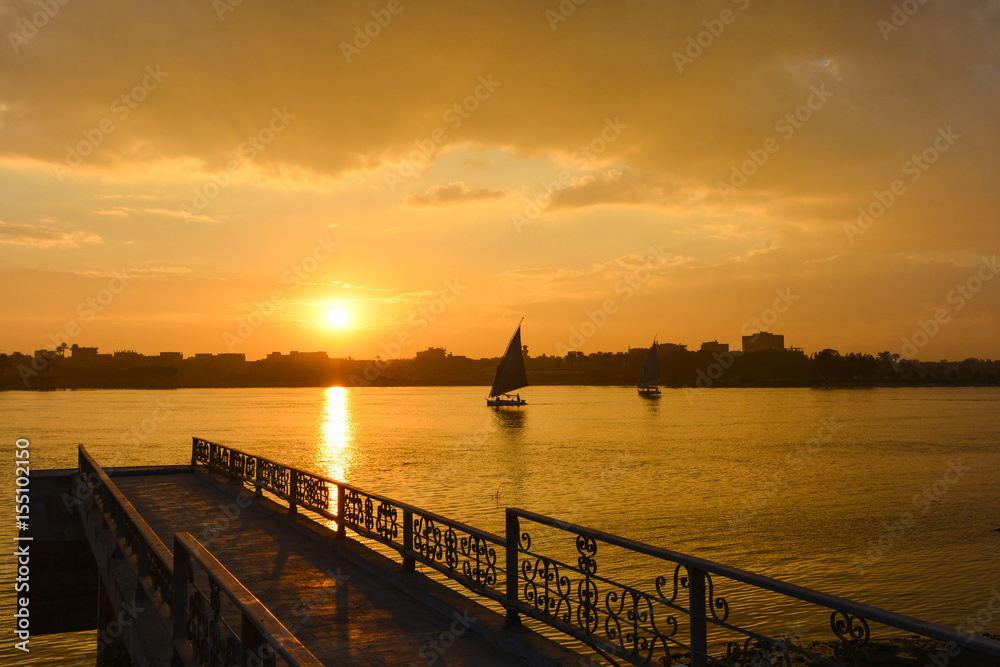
(499, 402)
(649, 392)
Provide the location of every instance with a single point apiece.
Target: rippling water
(798, 484)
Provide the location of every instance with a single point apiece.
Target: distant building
(231, 357)
(83, 353)
(715, 346)
(431, 354)
(308, 357)
(762, 341)
(171, 357)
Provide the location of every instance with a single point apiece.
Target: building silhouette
(762, 341)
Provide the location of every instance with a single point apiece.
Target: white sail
(510, 373)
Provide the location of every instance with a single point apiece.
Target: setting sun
(337, 317)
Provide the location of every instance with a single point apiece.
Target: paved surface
(337, 609)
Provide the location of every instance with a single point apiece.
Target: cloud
(454, 194)
(621, 186)
(41, 237)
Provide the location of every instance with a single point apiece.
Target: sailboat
(650, 374)
(510, 375)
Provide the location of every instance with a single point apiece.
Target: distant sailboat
(510, 375)
(650, 374)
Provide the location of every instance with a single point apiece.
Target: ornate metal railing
(200, 629)
(464, 554)
(200, 635)
(692, 610)
(683, 609)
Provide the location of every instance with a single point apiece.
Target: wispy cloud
(42, 237)
(455, 193)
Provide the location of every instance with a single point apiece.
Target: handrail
(466, 554)
(155, 561)
(538, 585)
(153, 558)
(260, 632)
(848, 620)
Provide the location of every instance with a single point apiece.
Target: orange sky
(203, 177)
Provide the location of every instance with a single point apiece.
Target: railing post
(341, 526)
(258, 477)
(408, 563)
(142, 566)
(251, 643)
(213, 455)
(699, 620)
(513, 538)
(293, 488)
(194, 448)
(178, 606)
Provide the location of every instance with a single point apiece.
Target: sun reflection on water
(336, 433)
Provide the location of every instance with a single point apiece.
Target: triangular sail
(651, 369)
(510, 372)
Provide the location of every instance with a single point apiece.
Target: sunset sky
(258, 176)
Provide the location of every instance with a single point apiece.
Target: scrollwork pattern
(275, 477)
(480, 564)
(213, 641)
(352, 507)
(312, 492)
(237, 463)
(201, 450)
(853, 633)
(386, 522)
(637, 623)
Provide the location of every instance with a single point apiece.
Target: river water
(884, 496)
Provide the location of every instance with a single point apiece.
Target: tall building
(762, 341)
(716, 346)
